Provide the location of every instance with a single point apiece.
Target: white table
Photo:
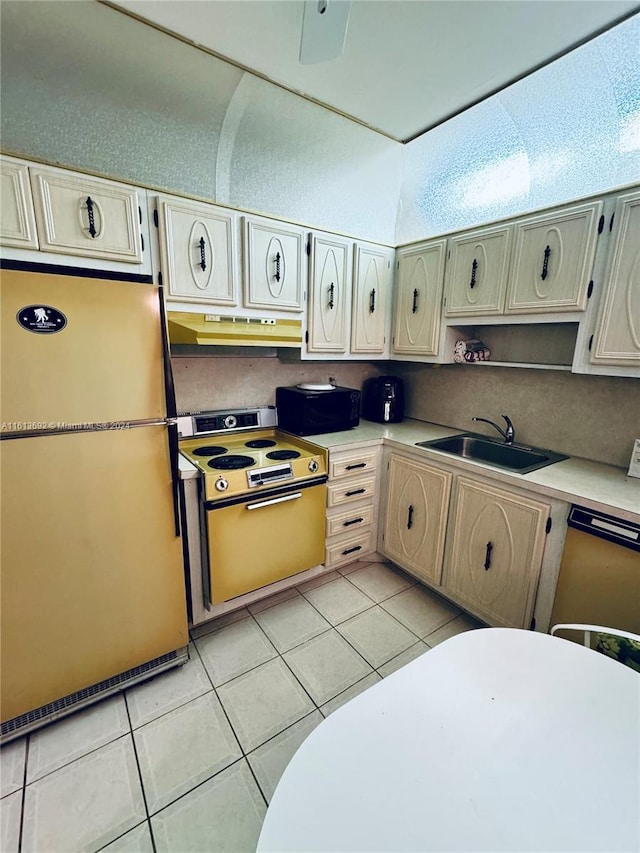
(496, 740)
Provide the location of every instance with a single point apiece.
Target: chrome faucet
(508, 434)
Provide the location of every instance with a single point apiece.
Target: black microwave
(307, 410)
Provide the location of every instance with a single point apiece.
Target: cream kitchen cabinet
(329, 289)
(351, 504)
(477, 270)
(274, 264)
(199, 250)
(420, 274)
(617, 335)
(372, 277)
(85, 216)
(417, 502)
(553, 256)
(495, 544)
(17, 216)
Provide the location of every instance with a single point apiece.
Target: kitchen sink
(479, 448)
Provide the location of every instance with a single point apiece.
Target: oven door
(254, 540)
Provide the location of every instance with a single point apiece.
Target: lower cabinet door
(416, 516)
(494, 554)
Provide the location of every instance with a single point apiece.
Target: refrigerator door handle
(169, 387)
(172, 428)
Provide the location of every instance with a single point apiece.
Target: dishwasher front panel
(599, 583)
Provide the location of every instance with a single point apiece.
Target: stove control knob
(313, 466)
(221, 484)
(230, 421)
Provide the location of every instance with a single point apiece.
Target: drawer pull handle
(331, 288)
(351, 550)
(410, 518)
(414, 306)
(92, 217)
(487, 559)
(355, 492)
(358, 465)
(545, 263)
(372, 301)
(352, 521)
(277, 259)
(203, 254)
(474, 269)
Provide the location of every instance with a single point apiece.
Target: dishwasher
(599, 580)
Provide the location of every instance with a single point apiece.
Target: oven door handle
(281, 500)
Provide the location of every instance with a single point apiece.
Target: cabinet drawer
(353, 490)
(354, 464)
(89, 217)
(349, 549)
(350, 522)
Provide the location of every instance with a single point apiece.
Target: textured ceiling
(407, 65)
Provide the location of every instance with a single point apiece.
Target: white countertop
(590, 484)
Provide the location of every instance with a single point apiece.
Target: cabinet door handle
(357, 465)
(410, 517)
(92, 216)
(414, 306)
(372, 301)
(474, 268)
(355, 492)
(203, 255)
(331, 296)
(351, 550)
(352, 521)
(487, 558)
(545, 263)
(277, 259)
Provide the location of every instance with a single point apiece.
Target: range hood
(214, 330)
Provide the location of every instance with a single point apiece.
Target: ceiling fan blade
(324, 27)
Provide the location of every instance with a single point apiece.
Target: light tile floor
(189, 760)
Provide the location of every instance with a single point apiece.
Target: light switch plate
(634, 465)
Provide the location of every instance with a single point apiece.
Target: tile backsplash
(218, 382)
(594, 417)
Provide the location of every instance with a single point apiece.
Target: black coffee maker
(383, 399)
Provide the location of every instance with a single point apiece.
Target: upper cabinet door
(617, 337)
(476, 277)
(90, 217)
(198, 244)
(418, 298)
(273, 263)
(371, 291)
(552, 260)
(330, 282)
(17, 217)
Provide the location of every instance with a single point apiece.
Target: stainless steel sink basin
(479, 448)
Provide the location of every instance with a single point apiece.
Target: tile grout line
(195, 787)
(144, 793)
(24, 792)
(79, 757)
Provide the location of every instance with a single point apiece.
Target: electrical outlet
(634, 465)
